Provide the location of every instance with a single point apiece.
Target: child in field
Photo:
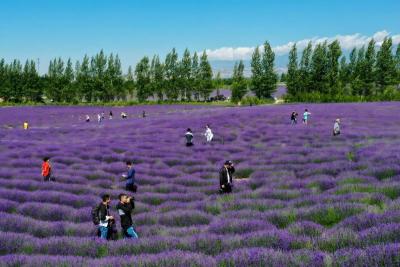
(208, 134)
(144, 114)
(26, 125)
(46, 170)
(99, 118)
(306, 115)
(125, 206)
(336, 127)
(189, 137)
(293, 117)
(111, 115)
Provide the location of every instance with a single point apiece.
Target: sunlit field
(301, 196)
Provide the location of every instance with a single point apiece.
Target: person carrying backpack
(125, 206)
(101, 216)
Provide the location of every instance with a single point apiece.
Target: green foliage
(214, 209)
(264, 79)
(371, 73)
(324, 76)
(205, 76)
(239, 85)
(142, 73)
(253, 101)
(385, 174)
(292, 79)
(244, 173)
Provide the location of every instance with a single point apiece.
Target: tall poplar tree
(292, 77)
(239, 84)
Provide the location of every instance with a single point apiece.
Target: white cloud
(347, 42)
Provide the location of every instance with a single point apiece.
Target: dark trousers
(189, 144)
(48, 178)
(131, 187)
(226, 190)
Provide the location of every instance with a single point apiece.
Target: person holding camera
(125, 206)
(130, 177)
(226, 177)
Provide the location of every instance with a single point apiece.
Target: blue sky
(48, 28)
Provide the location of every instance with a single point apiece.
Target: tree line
(100, 78)
(325, 74)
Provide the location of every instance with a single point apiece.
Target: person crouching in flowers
(124, 207)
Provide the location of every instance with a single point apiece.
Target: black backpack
(95, 215)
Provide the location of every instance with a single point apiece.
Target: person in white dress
(208, 134)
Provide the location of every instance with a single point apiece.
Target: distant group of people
(101, 116)
(306, 116)
(189, 135)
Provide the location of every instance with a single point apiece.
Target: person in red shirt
(46, 169)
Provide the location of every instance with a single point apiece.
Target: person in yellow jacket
(26, 125)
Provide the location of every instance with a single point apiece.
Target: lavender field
(301, 197)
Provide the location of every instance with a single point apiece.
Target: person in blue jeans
(130, 177)
(125, 206)
(306, 116)
(104, 216)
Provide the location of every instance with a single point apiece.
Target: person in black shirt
(189, 137)
(104, 216)
(125, 206)
(225, 177)
(293, 117)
